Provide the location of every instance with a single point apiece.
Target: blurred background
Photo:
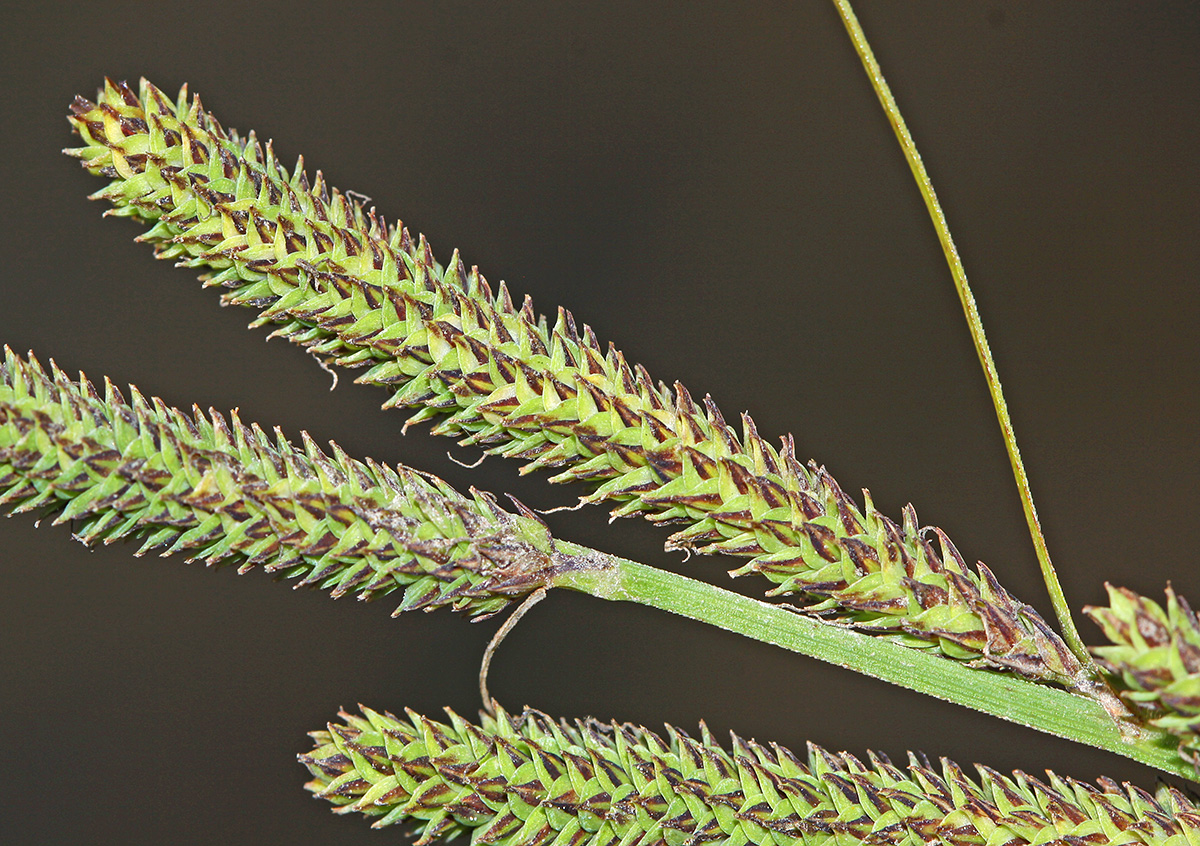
(713, 187)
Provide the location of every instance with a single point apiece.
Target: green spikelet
(529, 781)
(1156, 655)
(224, 492)
(357, 292)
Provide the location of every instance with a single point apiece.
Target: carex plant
(359, 292)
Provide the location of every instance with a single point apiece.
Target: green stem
(1061, 609)
(1047, 709)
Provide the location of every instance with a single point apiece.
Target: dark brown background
(713, 187)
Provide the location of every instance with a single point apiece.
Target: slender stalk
(1061, 609)
(489, 704)
(1047, 709)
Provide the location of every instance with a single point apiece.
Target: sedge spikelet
(1155, 654)
(224, 492)
(356, 292)
(531, 781)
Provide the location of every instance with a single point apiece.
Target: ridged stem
(1036, 706)
(1061, 609)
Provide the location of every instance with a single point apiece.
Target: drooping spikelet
(1156, 655)
(224, 492)
(529, 781)
(355, 292)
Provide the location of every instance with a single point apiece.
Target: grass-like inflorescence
(531, 781)
(357, 292)
(224, 492)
